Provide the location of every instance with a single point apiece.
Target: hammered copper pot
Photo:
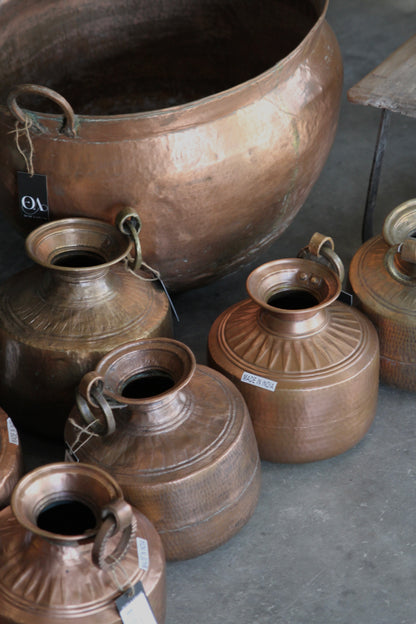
(68, 549)
(383, 278)
(176, 436)
(306, 364)
(11, 463)
(212, 118)
(58, 317)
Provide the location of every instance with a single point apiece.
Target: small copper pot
(383, 278)
(11, 463)
(84, 297)
(177, 437)
(68, 549)
(306, 364)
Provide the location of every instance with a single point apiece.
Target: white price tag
(136, 609)
(12, 431)
(260, 382)
(143, 553)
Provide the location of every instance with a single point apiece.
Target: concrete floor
(334, 541)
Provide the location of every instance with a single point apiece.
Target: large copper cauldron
(212, 118)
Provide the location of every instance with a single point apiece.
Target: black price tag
(346, 297)
(134, 608)
(33, 195)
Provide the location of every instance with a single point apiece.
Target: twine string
(122, 587)
(87, 431)
(20, 131)
(154, 278)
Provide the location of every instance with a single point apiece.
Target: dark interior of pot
(134, 55)
(66, 517)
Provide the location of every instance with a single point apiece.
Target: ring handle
(128, 222)
(117, 517)
(90, 393)
(321, 246)
(70, 119)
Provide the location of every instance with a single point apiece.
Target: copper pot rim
(27, 514)
(177, 115)
(85, 225)
(143, 346)
(260, 292)
(400, 223)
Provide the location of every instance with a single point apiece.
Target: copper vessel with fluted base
(68, 550)
(306, 364)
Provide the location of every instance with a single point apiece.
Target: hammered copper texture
(391, 305)
(47, 578)
(186, 458)
(56, 322)
(323, 360)
(228, 110)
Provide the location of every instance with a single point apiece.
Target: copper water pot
(68, 549)
(11, 463)
(58, 318)
(306, 364)
(383, 278)
(212, 119)
(178, 439)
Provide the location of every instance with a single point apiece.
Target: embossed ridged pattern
(247, 340)
(326, 380)
(50, 581)
(52, 331)
(391, 305)
(197, 481)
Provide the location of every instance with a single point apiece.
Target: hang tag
(33, 196)
(346, 297)
(135, 609)
(12, 431)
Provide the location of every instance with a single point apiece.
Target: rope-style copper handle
(128, 222)
(90, 393)
(323, 246)
(70, 119)
(117, 517)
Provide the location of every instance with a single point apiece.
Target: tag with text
(33, 196)
(12, 431)
(260, 382)
(134, 607)
(143, 553)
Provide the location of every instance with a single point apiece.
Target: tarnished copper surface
(183, 450)
(47, 538)
(383, 278)
(306, 364)
(212, 119)
(60, 316)
(11, 463)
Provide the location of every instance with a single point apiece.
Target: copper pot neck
(148, 378)
(293, 294)
(62, 503)
(78, 248)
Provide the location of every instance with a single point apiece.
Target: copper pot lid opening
(146, 369)
(400, 224)
(62, 502)
(169, 54)
(77, 244)
(293, 285)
